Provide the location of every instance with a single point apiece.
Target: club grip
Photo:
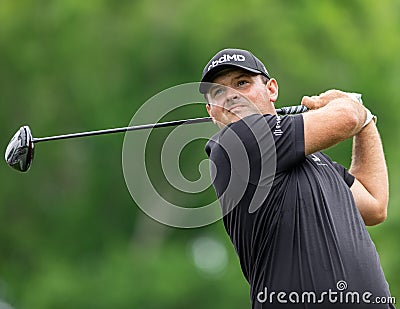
(291, 110)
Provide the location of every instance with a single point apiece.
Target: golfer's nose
(232, 96)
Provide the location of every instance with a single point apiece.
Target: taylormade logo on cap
(233, 57)
(226, 58)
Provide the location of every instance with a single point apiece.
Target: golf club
(20, 150)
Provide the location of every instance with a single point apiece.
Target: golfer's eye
(217, 91)
(242, 82)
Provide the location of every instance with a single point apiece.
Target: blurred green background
(70, 234)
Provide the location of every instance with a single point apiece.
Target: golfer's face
(235, 95)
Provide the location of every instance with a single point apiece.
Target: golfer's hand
(316, 102)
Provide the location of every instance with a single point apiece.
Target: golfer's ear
(209, 111)
(272, 88)
(208, 107)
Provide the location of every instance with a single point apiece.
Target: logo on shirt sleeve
(278, 131)
(317, 160)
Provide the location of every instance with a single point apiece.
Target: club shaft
(124, 129)
(281, 111)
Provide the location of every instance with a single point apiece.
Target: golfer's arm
(335, 122)
(371, 187)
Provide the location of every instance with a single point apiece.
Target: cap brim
(210, 75)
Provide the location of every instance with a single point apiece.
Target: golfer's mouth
(236, 107)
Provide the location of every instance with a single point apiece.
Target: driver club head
(19, 152)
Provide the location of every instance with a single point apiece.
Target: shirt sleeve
(257, 147)
(288, 134)
(250, 153)
(344, 173)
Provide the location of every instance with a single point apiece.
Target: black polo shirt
(292, 218)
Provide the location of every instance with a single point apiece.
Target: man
(304, 244)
